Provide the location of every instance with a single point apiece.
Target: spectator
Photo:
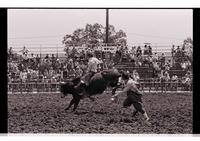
(163, 79)
(53, 61)
(28, 75)
(183, 54)
(101, 64)
(150, 60)
(178, 55)
(23, 76)
(136, 76)
(76, 63)
(162, 60)
(132, 57)
(25, 60)
(187, 81)
(174, 80)
(166, 76)
(70, 64)
(51, 72)
(188, 65)
(24, 51)
(47, 57)
(155, 65)
(133, 50)
(53, 79)
(74, 52)
(145, 52)
(145, 61)
(9, 77)
(32, 56)
(78, 71)
(178, 51)
(53, 58)
(37, 59)
(183, 65)
(83, 66)
(150, 50)
(139, 61)
(139, 51)
(173, 51)
(67, 51)
(32, 59)
(188, 74)
(82, 54)
(34, 75)
(168, 65)
(10, 53)
(118, 55)
(183, 51)
(155, 57)
(59, 65)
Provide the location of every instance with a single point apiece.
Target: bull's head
(66, 88)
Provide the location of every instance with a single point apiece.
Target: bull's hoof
(81, 96)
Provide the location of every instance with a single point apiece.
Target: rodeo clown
(134, 96)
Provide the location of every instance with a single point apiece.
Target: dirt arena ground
(44, 113)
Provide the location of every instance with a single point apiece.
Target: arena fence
(145, 86)
(33, 87)
(170, 86)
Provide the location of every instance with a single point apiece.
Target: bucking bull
(97, 85)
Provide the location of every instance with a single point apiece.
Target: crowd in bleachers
(28, 67)
(49, 68)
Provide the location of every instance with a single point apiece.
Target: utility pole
(156, 48)
(107, 25)
(57, 51)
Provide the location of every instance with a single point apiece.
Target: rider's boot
(84, 83)
(78, 85)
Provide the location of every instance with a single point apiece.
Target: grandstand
(145, 71)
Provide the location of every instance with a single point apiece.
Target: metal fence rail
(145, 86)
(164, 86)
(36, 87)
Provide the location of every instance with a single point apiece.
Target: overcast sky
(46, 27)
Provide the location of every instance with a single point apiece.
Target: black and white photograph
(100, 71)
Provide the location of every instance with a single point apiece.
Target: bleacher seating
(147, 72)
(144, 72)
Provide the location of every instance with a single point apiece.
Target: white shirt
(93, 64)
(184, 65)
(131, 82)
(131, 85)
(23, 76)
